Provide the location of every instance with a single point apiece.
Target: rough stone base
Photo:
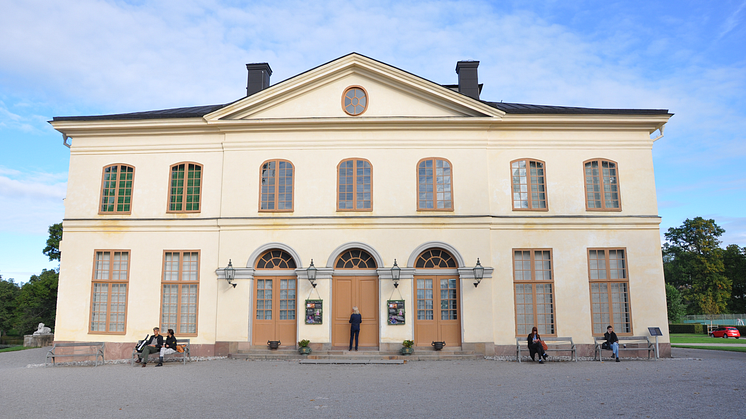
(38, 341)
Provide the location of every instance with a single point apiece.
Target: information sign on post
(396, 311)
(655, 331)
(314, 311)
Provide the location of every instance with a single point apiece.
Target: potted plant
(303, 347)
(438, 345)
(407, 347)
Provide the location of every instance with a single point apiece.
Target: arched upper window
(354, 185)
(529, 184)
(355, 259)
(602, 185)
(275, 259)
(116, 189)
(277, 186)
(434, 185)
(435, 258)
(185, 190)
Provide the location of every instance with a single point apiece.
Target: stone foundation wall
(38, 341)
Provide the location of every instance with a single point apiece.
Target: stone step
(354, 357)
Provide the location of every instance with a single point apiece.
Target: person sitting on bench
(534, 345)
(613, 341)
(169, 346)
(148, 349)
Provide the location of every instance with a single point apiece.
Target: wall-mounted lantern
(311, 271)
(395, 274)
(230, 273)
(478, 273)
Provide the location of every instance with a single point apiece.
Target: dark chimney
(468, 83)
(258, 77)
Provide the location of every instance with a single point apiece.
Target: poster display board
(396, 311)
(314, 311)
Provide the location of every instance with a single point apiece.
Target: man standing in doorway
(355, 320)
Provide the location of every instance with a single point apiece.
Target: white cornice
(192, 126)
(521, 223)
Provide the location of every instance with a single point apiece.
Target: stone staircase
(365, 356)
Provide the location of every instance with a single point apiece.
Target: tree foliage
(734, 259)
(694, 265)
(53, 242)
(37, 302)
(22, 308)
(9, 291)
(676, 309)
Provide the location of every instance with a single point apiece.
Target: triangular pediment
(318, 93)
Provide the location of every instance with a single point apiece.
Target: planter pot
(438, 345)
(407, 351)
(273, 344)
(304, 350)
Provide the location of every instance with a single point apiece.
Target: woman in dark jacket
(168, 347)
(534, 345)
(355, 320)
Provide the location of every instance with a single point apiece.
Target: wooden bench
(184, 355)
(95, 349)
(554, 344)
(639, 343)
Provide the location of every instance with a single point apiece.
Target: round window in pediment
(355, 100)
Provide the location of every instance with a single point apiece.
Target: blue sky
(87, 57)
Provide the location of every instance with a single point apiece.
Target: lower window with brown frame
(534, 291)
(180, 292)
(109, 292)
(609, 287)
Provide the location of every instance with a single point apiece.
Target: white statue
(42, 330)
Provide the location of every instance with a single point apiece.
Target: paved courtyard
(694, 384)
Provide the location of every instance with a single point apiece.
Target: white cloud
(114, 56)
(30, 202)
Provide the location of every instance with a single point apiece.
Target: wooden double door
(360, 292)
(438, 315)
(275, 307)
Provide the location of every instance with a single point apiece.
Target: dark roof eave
(190, 112)
(521, 108)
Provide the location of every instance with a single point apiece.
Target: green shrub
(693, 328)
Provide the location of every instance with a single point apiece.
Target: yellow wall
(482, 224)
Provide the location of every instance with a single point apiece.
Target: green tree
(37, 302)
(676, 309)
(9, 291)
(53, 242)
(695, 265)
(734, 259)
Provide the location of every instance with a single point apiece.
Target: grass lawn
(14, 348)
(692, 338)
(712, 348)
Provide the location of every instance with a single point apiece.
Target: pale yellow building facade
(355, 164)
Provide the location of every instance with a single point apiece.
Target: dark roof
(510, 108)
(191, 112)
(522, 108)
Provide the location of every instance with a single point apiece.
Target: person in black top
(157, 338)
(613, 341)
(355, 320)
(534, 345)
(169, 347)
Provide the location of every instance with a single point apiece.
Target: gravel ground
(696, 383)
